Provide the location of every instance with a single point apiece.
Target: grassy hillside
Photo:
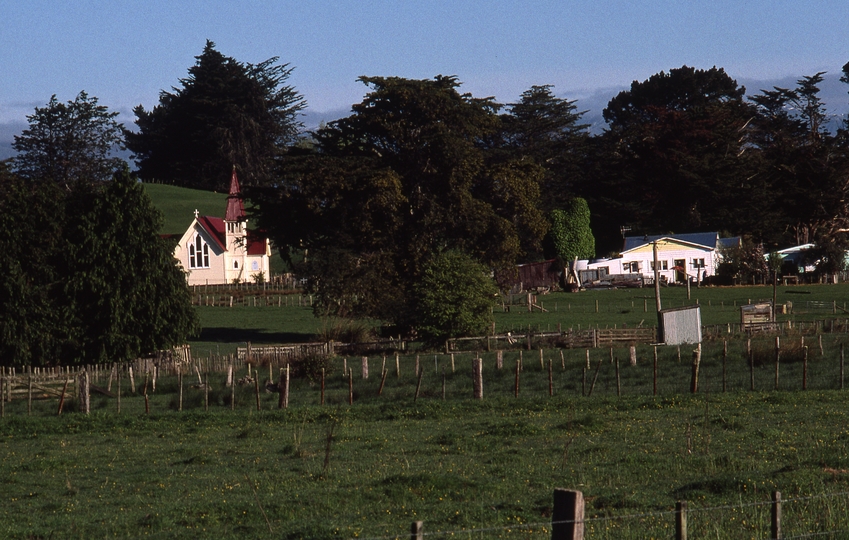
(178, 205)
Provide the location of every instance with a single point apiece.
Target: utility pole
(657, 291)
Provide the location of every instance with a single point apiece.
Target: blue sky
(125, 52)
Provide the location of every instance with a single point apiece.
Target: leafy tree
(743, 263)
(406, 176)
(548, 130)
(87, 278)
(454, 297)
(672, 154)
(69, 142)
(829, 255)
(30, 228)
(225, 113)
(800, 163)
(124, 292)
(571, 235)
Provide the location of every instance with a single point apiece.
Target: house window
(631, 267)
(198, 253)
(662, 265)
(698, 263)
(236, 265)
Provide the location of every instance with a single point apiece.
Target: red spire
(235, 208)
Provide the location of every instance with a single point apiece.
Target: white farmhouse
(679, 256)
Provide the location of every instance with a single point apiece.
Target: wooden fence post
(550, 380)
(841, 365)
(724, 358)
(776, 515)
(654, 372)
(233, 391)
(364, 360)
(443, 384)
(697, 360)
(418, 386)
(118, 382)
(256, 392)
(382, 381)
(567, 517)
(516, 388)
(477, 378)
(85, 397)
(681, 520)
(62, 397)
(322, 386)
(351, 386)
(499, 359)
(146, 398)
(618, 380)
(180, 389)
(398, 365)
(595, 377)
(417, 530)
(804, 368)
(29, 390)
(633, 355)
(777, 359)
(283, 388)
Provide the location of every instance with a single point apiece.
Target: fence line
(802, 367)
(627, 517)
(605, 337)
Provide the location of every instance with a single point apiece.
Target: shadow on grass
(216, 334)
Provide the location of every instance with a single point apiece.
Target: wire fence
(813, 516)
(794, 363)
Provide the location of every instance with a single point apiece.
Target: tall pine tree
(225, 113)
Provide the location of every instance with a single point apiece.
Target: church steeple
(235, 208)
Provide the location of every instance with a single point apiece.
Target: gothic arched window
(198, 253)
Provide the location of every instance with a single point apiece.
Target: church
(215, 251)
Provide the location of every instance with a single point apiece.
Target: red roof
(256, 245)
(215, 227)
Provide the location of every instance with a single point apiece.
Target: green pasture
(470, 469)
(224, 327)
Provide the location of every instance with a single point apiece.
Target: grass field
(178, 205)
(468, 469)
(224, 327)
(458, 465)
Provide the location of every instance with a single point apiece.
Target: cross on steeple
(196, 213)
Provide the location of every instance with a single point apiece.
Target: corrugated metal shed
(681, 325)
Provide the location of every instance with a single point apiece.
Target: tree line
(424, 183)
